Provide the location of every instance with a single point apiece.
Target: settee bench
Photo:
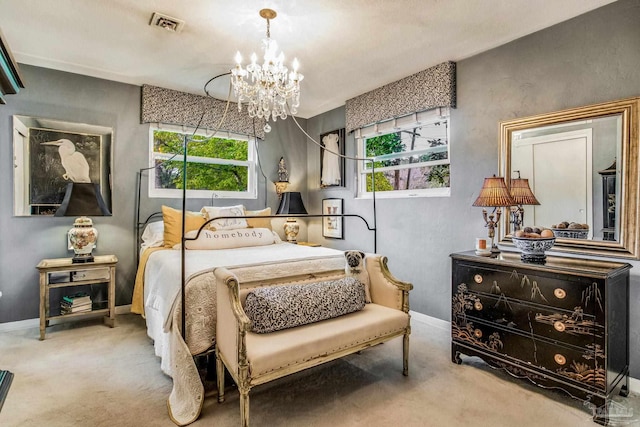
(256, 358)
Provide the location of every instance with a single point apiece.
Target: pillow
(259, 222)
(153, 235)
(172, 219)
(274, 308)
(210, 212)
(229, 239)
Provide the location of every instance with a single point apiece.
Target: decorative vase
(291, 229)
(83, 238)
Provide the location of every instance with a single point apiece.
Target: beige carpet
(85, 374)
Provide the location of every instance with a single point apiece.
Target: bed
(157, 293)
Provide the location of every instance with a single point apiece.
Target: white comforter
(163, 279)
(163, 274)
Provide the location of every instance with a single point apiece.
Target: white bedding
(163, 280)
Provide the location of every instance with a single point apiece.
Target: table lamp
(522, 195)
(291, 204)
(494, 193)
(83, 199)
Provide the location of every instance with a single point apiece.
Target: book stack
(76, 303)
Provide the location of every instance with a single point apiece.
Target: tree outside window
(221, 165)
(414, 159)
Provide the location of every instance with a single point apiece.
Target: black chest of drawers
(564, 324)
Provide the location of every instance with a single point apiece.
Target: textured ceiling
(345, 48)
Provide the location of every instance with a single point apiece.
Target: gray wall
(24, 241)
(592, 58)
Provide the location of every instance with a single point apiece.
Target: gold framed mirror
(582, 166)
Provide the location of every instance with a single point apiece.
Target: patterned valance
(160, 105)
(427, 89)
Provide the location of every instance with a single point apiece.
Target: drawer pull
(559, 293)
(478, 305)
(560, 359)
(478, 278)
(559, 326)
(477, 333)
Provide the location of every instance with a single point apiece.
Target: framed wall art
(331, 165)
(332, 226)
(49, 154)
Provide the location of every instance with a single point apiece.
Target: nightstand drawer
(536, 287)
(92, 274)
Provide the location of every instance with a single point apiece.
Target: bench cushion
(280, 307)
(270, 352)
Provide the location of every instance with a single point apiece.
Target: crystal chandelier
(267, 88)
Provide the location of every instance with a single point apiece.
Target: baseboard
(431, 321)
(35, 323)
(123, 309)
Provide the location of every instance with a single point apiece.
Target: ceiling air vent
(166, 22)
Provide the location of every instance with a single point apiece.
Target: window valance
(425, 90)
(160, 105)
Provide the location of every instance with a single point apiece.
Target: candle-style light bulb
(254, 58)
(238, 58)
(295, 65)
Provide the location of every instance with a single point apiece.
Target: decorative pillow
(259, 222)
(280, 307)
(172, 219)
(153, 235)
(229, 239)
(211, 212)
(356, 268)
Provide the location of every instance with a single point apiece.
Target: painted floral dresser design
(563, 325)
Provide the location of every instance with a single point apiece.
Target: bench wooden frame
(385, 290)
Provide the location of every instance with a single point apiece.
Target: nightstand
(315, 245)
(62, 273)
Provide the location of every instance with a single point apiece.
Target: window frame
(175, 193)
(395, 125)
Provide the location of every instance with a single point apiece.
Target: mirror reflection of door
(559, 169)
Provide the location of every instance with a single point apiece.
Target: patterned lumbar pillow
(280, 307)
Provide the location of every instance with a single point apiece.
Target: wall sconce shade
(83, 199)
(291, 204)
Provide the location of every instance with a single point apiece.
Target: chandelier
(267, 88)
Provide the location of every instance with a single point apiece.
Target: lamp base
(291, 229)
(495, 251)
(82, 258)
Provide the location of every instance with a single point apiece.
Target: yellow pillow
(173, 224)
(259, 222)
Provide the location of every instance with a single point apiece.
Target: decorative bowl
(571, 233)
(533, 249)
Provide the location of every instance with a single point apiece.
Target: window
(411, 156)
(220, 166)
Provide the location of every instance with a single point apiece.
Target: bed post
(182, 246)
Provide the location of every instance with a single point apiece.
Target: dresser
(563, 324)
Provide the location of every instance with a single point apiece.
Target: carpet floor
(86, 374)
